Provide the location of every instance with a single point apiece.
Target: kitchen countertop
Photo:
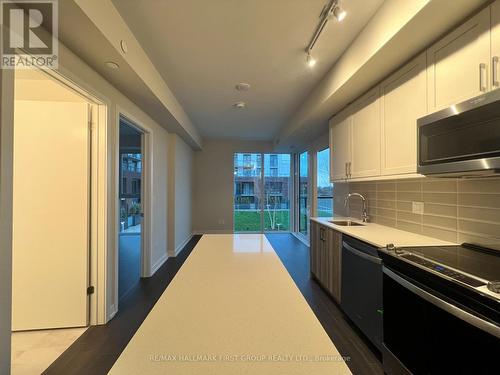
(231, 309)
(381, 235)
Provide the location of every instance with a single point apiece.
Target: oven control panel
(443, 270)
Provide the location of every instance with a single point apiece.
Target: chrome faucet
(365, 212)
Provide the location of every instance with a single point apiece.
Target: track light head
(339, 13)
(311, 61)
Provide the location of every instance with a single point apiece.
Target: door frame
(146, 194)
(97, 249)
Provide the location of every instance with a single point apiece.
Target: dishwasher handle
(361, 254)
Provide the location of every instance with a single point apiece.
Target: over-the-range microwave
(462, 140)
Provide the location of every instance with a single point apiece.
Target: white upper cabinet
(340, 145)
(495, 44)
(376, 136)
(458, 64)
(403, 100)
(365, 136)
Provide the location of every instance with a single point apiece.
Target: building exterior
(130, 190)
(248, 194)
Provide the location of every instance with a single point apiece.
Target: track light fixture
(311, 61)
(339, 13)
(333, 9)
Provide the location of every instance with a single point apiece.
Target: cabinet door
(334, 263)
(495, 44)
(458, 63)
(324, 259)
(365, 135)
(403, 100)
(314, 250)
(340, 145)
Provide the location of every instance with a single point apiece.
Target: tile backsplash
(456, 210)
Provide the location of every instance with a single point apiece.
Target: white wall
(180, 227)
(159, 202)
(6, 167)
(73, 68)
(213, 183)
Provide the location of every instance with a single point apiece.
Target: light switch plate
(418, 207)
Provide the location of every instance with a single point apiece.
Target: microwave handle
(477, 322)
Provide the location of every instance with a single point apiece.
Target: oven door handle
(361, 254)
(446, 306)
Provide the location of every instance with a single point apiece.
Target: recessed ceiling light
(240, 105)
(112, 65)
(242, 86)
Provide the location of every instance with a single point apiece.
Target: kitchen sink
(346, 223)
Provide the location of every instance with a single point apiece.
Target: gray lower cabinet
(325, 253)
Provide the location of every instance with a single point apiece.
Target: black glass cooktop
(476, 261)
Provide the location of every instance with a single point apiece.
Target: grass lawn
(249, 221)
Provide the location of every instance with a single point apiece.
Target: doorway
(52, 218)
(131, 203)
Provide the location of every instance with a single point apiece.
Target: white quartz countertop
(231, 309)
(381, 235)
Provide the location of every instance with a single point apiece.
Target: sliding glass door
(247, 192)
(303, 194)
(262, 190)
(277, 190)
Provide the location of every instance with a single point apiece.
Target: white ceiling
(203, 48)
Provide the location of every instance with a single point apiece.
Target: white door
(365, 135)
(340, 146)
(458, 64)
(403, 101)
(51, 215)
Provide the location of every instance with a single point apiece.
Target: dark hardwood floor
(347, 338)
(99, 347)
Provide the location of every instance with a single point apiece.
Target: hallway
(129, 263)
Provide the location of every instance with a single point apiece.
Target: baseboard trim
(112, 312)
(179, 248)
(301, 239)
(158, 263)
(213, 231)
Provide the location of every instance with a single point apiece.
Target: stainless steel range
(441, 310)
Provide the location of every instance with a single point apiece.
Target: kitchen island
(232, 309)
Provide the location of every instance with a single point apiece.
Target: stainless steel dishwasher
(362, 287)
